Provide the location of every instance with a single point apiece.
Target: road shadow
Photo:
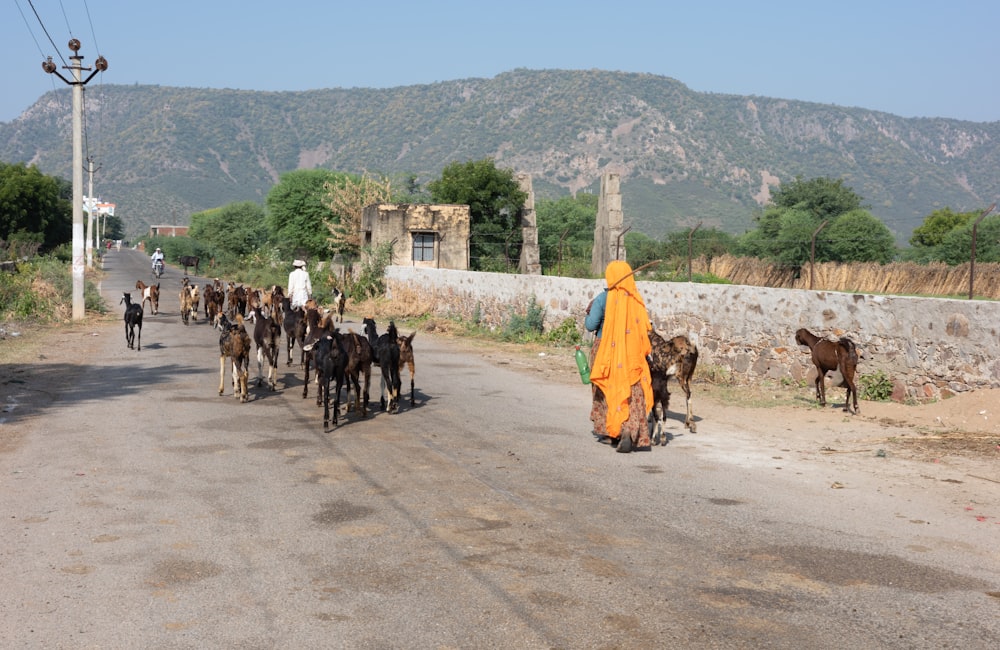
(28, 390)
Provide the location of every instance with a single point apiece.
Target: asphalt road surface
(143, 510)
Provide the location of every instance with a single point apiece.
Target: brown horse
(827, 355)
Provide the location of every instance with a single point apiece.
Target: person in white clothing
(299, 285)
(156, 256)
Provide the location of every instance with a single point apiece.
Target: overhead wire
(47, 35)
(100, 91)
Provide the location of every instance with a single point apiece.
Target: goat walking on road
(150, 293)
(293, 322)
(133, 321)
(827, 355)
(234, 345)
(267, 336)
(675, 357)
(385, 350)
(339, 303)
(406, 358)
(331, 362)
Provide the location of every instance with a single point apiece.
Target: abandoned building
(423, 235)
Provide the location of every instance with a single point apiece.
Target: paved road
(142, 510)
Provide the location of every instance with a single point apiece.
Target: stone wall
(929, 347)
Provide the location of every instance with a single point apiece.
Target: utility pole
(91, 239)
(76, 69)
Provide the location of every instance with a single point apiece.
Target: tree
(785, 229)
(347, 198)
(495, 200)
(642, 249)
(707, 242)
(230, 231)
(297, 215)
(566, 228)
(938, 224)
(34, 207)
(823, 198)
(857, 236)
(956, 246)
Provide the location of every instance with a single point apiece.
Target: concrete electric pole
(93, 239)
(76, 68)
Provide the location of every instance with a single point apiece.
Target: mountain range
(684, 157)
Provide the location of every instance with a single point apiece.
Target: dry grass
(898, 278)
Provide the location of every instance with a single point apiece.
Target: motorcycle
(158, 268)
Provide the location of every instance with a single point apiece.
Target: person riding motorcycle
(157, 256)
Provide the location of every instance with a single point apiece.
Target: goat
(185, 298)
(385, 350)
(827, 355)
(406, 358)
(187, 261)
(675, 357)
(330, 364)
(234, 344)
(339, 303)
(195, 299)
(150, 293)
(133, 320)
(358, 351)
(237, 300)
(267, 336)
(294, 326)
(215, 300)
(315, 329)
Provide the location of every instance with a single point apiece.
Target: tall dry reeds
(898, 278)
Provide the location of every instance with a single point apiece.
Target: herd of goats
(339, 359)
(345, 359)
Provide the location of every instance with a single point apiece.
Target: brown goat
(150, 293)
(840, 355)
(234, 344)
(675, 357)
(406, 358)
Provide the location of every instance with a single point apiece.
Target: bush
(525, 328)
(567, 333)
(42, 291)
(875, 387)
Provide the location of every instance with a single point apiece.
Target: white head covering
(298, 263)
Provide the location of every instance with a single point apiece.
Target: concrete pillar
(609, 226)
(530, 263)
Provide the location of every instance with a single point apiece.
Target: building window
(423, 247)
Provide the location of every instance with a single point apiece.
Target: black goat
(330, 363)
(385, 351)
(293, 322)
(359, 362)
(316, 327)
(267, 336)
(133, 320)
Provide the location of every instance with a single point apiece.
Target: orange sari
(620, 362)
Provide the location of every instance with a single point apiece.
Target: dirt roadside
(964, 429)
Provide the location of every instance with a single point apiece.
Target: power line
(42, 25)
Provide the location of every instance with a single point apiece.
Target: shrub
(875, 387)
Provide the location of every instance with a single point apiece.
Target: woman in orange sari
(623, 392)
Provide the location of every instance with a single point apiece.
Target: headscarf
(621, 355)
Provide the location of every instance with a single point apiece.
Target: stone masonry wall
(929, 347)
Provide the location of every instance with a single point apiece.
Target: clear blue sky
(912, 58)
